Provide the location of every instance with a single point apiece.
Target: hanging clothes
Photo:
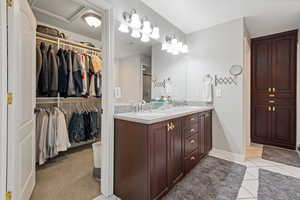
(77, 74)
(42, 119)
(92, 89)
(52, 134)
(97, 64)
(39, 60)
(53, 72)
(76, 128)
(84, 75)
(71, 86)
(44, 75)
(62, 74)
(62, 139)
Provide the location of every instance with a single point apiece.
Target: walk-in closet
(69, 63)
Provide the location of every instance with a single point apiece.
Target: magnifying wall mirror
(236, 70)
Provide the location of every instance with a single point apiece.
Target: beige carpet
(69, 177)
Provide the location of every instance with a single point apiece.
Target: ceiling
(65, 14)
(261, 16)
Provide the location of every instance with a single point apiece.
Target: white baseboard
(102, 197)
(227, 155)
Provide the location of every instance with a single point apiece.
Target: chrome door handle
(192, 141)
(193, 158)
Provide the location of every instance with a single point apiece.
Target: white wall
(213, 51)
(165, 65)
(129, 78)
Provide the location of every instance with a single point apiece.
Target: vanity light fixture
(143, 29)
(173, 46)
(92, 20)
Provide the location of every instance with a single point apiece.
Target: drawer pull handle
(192, 119)
(193, 158)
(192, 130)
(192, 141)
(271, 101)
(271, 95)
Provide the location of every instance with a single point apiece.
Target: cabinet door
(261, 124)
(208, 131)
(158, 137)
(284, 126)
(175, 152)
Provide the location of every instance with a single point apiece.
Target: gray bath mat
(287, 157)
(274, 186)
(211, 179)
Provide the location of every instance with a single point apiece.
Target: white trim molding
(227, 155)
(3, 103)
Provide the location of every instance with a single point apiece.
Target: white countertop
(158, 115)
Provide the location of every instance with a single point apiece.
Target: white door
(21, 82)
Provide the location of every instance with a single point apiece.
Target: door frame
(3, 100)
(107, 136)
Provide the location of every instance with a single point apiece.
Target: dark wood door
(273, 94)
(175, 152)
(158, 139)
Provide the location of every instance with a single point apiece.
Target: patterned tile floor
(254, 162)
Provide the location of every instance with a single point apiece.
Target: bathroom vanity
(154, 150)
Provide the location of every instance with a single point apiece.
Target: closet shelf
(56, 100)
(60, 41)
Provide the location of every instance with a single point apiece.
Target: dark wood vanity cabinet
(151, 159)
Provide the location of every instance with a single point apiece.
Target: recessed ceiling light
(92, 20)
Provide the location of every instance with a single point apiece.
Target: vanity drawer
(191, 119)
(191, 161)
(191, 129)
(191, 144)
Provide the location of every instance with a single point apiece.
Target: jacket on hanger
(39, 60)
(44, 74)
(53, 69)
(77, 74)
(41, 136)
(62, 74)
(71, 86)
(62, 139)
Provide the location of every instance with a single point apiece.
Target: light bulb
(164, 46)
(124, 28)
(155, 33)
(135, 21)
(185, 49)
(145, 38)
(147, 27)
(174, 41)
(135, 33)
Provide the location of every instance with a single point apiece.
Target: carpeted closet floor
(68, 177)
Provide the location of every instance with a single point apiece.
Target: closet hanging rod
(70, 101)
(57, 40)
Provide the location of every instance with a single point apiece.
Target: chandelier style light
(139, 28)
(173, 46)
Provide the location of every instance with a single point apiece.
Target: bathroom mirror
(236, 70)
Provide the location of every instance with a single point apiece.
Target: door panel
(283, 122)
(283, 65)
(260, 123)
(261, 67)
(158, 160)
(175, 153)
(21, 82)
